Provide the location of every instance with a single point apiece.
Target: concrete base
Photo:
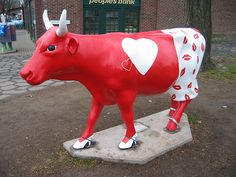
(153, 141)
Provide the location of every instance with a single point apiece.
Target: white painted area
(80, 145)
(129, 144)
(188, 44)
(142, 52)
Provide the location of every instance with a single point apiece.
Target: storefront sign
(112, 2)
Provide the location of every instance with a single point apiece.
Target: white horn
(62, 30)
(46, 21)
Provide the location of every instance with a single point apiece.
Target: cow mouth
(29, 77)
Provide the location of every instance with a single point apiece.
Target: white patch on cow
(176, 33)
(188, 44)
(142, 53)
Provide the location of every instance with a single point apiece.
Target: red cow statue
(116, 67)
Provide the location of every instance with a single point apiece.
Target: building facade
(103, 16)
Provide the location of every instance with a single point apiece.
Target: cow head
(54, 53)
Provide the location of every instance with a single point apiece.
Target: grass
(62, 160)
(222, 71)
(193, 120)
(218, 38)
(219, 74)
(65, 158)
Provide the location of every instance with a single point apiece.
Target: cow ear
(72, 45)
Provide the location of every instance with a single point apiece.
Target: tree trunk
(3, 6)
(199, 17)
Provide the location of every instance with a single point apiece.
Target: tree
(7, 5)
(199, 17)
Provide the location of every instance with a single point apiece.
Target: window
(111, 16)
(112, 21)
(91, 21)
(131, 21)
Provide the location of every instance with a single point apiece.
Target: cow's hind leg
(85, 140)
(125, 104)
(174, 119)
(173, 107)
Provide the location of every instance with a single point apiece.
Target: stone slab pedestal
(153, 141)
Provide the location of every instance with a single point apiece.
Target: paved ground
(224, 49)
(33, 129)
(10, 64)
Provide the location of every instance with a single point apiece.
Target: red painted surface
(96, 61)
(100, 63)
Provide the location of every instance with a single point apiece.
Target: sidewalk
(10, 64)
(23, 43)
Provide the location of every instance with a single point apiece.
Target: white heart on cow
(142, 52)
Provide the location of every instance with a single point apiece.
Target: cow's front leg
(85, 140)
(173, 124)
(125, 104)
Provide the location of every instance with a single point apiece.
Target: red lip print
(187, 97)
(177, 87)
(173, 96)
(194, 47)
(190, 85)
(185, 40)
(203, 47)
(194, 71)
(196, 36)
(182, 72)
(196, 90)
(187, 57)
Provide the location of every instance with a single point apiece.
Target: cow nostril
(26, 75)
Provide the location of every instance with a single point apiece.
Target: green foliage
(64, 157)
(210, 65)
(219, 38)
(232, 69)
(225, 72)
(193, 120)
(61, 159)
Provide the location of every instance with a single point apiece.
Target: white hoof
(129, 144)
(86, 143)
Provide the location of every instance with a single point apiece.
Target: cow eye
(51, 47)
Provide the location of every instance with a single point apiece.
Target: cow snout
(26, 74)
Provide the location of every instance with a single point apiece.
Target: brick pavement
(10, 64)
